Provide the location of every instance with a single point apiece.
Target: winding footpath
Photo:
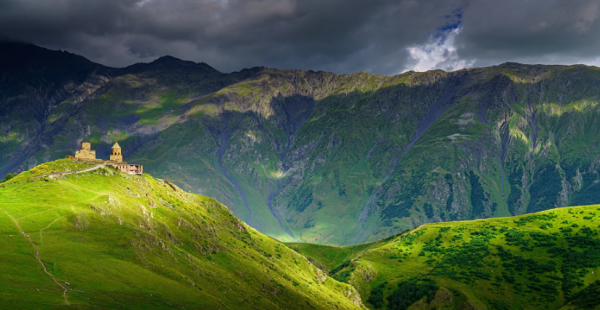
(37, 251)
(60, 174)
(37, 257)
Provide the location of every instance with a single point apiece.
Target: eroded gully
(223, 140)
(434, 112)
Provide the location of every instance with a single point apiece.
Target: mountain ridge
(317, 156)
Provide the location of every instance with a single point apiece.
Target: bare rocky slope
(315, 156)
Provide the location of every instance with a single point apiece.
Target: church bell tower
(115, 153)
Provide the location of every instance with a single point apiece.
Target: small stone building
(131, 169)
(86, 151)
(115, 153)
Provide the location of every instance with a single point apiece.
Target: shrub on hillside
(376, 298)
(411, 291)
(7, 177)
(588, 297)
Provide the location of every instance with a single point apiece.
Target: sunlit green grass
(132, 242)
(552, 255)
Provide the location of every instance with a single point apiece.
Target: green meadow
(547, 260)
(108, 240)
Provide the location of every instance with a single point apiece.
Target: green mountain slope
(92, 237)
(547, 260)
(319, 157)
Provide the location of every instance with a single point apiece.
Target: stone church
(116, 158)
(86, 151)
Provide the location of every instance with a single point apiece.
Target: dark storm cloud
(549, 31)
(379, 36)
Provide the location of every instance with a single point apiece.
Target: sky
(343, 36)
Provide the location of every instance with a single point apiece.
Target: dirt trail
(41, 230)
(51, 209)
(54, 174)
(37, 251)
(87, 189)
(32, 214)
(37, 257)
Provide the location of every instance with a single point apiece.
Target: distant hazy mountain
(325, 158)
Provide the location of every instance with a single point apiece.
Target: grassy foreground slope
(99, 238)
(547, 260)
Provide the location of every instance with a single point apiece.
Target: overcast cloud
(343, 36)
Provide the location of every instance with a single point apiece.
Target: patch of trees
(344, 275)
(588, 232)
(470, 254)
(542, 240)
(508, 277)
(516, 237)
(518, 263)
(514, 179)
(433, 248)
(341, 266)
(477, 195)
(450, 200)
(582, 255)
(566, 230)
(409, 239)
(376, 298)
(411, 291)
(7, 177)
(301, 199)
(485, 234)
(588, 297)
(536, 217)
(545, 189)
(571, 168)
(578, 250)
(428, 210)
(588, 195)
(548, 289)
(403, 202)
(530, 269)
(338, 184)
(590, 191)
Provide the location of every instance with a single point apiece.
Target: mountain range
(315, 156)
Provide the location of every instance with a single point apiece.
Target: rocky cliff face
(320, 157)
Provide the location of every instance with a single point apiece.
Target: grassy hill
(89, 236)
(546, 260)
